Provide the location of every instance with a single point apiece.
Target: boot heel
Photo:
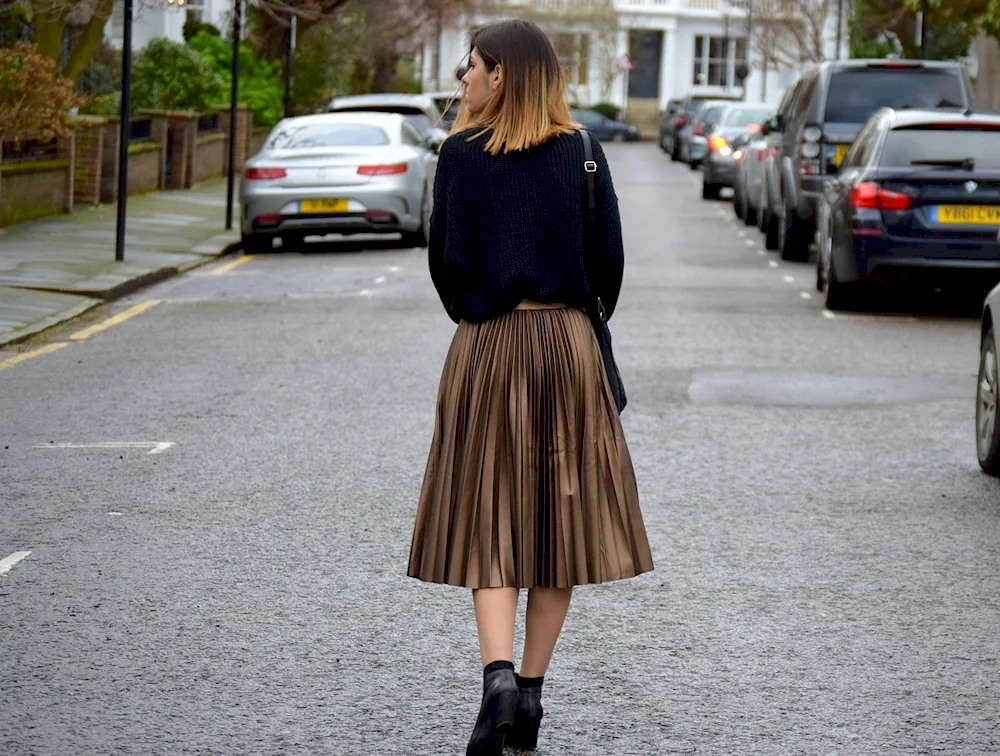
(506, 707)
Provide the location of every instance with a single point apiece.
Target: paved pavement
(827, 550)
(54, 269)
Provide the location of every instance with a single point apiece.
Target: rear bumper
(719, 170)
(395, 212)
(884, 258)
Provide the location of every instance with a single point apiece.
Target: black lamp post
(233, 113)
(289, 57)
(124, 130)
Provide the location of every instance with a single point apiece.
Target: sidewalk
(53, 269)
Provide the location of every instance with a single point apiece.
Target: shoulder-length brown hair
(530, 104)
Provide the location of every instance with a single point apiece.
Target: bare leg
(495, 611)
(547, 609)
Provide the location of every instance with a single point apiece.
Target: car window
(860, 151)
(854, 95)
(804, 96)
(711, 114)
(303, 136)
(411, 136)
(588, 117)
(746, 116)
(943, 144)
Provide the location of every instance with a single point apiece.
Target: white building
(675, 47)
(152, 19)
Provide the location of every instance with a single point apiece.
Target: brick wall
(244, 123)
(210, 157)
(88, 164)
(33, 189)
(144, 167)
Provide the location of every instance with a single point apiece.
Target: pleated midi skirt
(528, 482)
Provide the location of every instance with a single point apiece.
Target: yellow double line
(121, 317)
(81, 335)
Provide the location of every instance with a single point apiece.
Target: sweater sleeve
(443, 217)
(609, 234)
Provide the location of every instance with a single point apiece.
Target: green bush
(262, 87)
(171, 76)
(607, 109)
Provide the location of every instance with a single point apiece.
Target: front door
(645, 48)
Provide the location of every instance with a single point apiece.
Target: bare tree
(787, 33)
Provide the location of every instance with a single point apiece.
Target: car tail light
(895, 64)
(719, 144)
(266, 221)
(262, 174)
(760, 156)
(679, 122)
(390, 169)
(698, 130)
(870, 195)
(753, 128)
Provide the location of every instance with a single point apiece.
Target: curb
(211, 249)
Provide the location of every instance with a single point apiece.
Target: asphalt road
(827, 551)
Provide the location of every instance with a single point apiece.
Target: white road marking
(394, 269)
(751, 243)
(157, 446)
(381, 280)
(365, 293)
(828, 315)
(772, 264)
(7, 563)
(789, 279)
(805, 295)
(761, 252)
(743, 234)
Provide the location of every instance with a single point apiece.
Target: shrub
(607, 109)
(35, 102)
(262, 87)
(171, 76)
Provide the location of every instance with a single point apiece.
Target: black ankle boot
(496, 715)
(528, 716)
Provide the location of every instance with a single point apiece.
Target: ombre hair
(529, 106)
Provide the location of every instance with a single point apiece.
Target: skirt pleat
(529, 482)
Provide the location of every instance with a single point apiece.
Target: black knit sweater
(511, 227)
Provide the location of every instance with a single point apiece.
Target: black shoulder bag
(590, 253)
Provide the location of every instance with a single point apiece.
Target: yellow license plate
(324, 206)
(971, 215)
(840, 152)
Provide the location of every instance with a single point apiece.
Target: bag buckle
(590, 166)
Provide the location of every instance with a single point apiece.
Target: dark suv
(818, 120)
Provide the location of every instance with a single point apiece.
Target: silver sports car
(342, 173)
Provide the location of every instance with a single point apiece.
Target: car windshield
(855, 94)
(746, 116)
(710, 115)
(944, 146)
(305, 136)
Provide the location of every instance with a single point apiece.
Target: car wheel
(738, 204)
(694, 164)
(987, 427)
(675, 153)
(618, 136)
(419, 238)
(257, 244)
(750, 215)
(772, 227)
(840, 295)
(794, 246)
(710, 191)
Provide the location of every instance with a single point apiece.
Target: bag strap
(590, 171)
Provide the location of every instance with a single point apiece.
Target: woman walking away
(529, 483)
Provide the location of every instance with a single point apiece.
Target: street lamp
(234, 97)
(124, 130)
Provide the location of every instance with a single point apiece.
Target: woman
(529, 483)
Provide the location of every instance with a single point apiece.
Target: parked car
(421, 110)
(750, 178)
(918, 196)
(344, 173)
(813, 134)
(694, 136)
(670, 131)
(719, 164)
(988, 388)
(667, 118)
(604, 128)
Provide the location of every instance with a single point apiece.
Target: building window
(573, 51)
(715, 61)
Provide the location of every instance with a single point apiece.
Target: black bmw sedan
(918, 197)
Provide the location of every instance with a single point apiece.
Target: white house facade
(152, 19)
(675, 47)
